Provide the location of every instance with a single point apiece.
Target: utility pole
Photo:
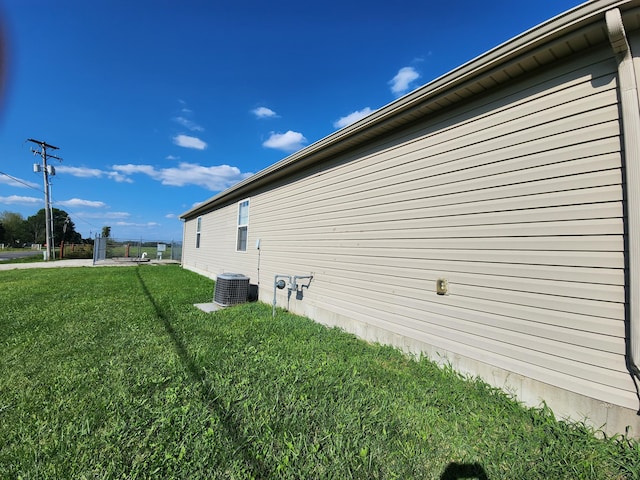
(46, 171)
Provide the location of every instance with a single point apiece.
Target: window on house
(243, 224)
(198, 225)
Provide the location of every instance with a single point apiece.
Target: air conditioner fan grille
(231, 289)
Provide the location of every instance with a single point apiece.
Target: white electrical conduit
(630, 109)
(278, 283)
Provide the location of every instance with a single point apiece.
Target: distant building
(489, 219)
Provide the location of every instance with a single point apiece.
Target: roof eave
(518, 49)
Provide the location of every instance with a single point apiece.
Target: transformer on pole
(46, 171)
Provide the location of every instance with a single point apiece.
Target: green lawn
(112, 373)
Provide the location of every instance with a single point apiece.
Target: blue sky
(157, 105)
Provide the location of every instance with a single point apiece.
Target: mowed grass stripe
(112, 373)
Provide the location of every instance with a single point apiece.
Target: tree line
(16, 231)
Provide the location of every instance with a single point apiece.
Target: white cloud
(84, 172)
(214, 178)
(18, 200)
(185, 108)
(118, 215)
(129, 224)
(264, 112)
(77, 202)
(18, 182)
(352, 117)
(130, 169)
(288, 142)
(117, 177)
(170, 215)
(402, 81)
(81, 172)
(189, 142)
(103, 215)
(171, 157)
(185, 122)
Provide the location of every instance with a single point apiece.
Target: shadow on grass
(458, 471)
(198, 376)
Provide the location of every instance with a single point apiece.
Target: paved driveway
(53, 264)
(79, 263)
(19, 254)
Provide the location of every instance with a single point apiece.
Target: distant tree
(69, 234)
(106, 231)
(2, 240)
(37, 227)
(15, 228)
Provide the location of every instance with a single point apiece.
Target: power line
(77, 217)
(20, 181)
(67, 209)
(71, 212)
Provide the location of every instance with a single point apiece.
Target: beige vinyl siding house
(507, 182)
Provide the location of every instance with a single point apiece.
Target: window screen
(243, 225)
(198, 226)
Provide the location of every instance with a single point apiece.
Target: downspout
(630, 111)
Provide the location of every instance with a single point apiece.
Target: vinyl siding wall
(515, 198)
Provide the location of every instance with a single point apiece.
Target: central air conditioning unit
(231, 289)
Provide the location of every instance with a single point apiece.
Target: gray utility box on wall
(231, 289)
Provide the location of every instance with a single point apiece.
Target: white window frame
(198, 230)
(242, 225)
